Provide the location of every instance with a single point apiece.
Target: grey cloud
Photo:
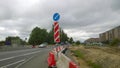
(116, 5)
(90, 16)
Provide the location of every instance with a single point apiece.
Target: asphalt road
(28, 58)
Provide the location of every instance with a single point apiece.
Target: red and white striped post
(56, 32)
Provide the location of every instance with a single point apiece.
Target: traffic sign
(56, 17)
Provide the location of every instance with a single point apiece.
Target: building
(110, 35)
(14, 41)
(92, 41)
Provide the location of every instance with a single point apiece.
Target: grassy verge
(80, 55)
(93, 65)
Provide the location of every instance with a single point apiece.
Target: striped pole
(56, 32)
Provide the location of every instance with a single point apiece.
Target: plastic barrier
(72, 65)
(58, 49)
(51, 60)
(57, 58)
(65, 62)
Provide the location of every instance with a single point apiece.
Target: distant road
(28, 58)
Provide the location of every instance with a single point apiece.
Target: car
(42, 45)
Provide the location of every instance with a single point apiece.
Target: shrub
(114, 42)
(77, 42)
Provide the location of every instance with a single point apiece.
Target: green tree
(38, 36)
(43, 35)
(77, 42)
(115, 42)
(63, 36)
(50, 38)
(2, 43)
(71, 40)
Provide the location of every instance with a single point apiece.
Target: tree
(71, 40)
(38, 36)
(2, 43)
(115, 42)
(63, 36)
(50, 38)
(78, 42)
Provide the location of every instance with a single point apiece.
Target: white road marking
(19, 56)
(6, 58)
(23, 62)
(12, 64)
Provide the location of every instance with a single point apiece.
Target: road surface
(28, 58)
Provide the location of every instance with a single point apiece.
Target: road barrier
(72, 65)
(65, 62)
(60, 60)
(51, 60)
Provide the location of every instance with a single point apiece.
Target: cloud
(115, 5)
(81, 19)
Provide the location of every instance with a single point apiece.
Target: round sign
(56, 17)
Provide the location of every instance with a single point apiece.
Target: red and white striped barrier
(61, 60)
(57, 49)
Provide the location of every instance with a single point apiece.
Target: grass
(79, 54)
(93, 65)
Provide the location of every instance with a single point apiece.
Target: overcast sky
(80, 19)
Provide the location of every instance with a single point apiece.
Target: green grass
(93, 65)
(79, 54)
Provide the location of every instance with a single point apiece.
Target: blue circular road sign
(56, 17)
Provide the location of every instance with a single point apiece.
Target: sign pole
(56, 17)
